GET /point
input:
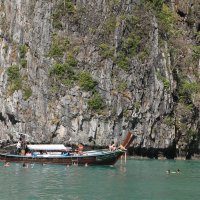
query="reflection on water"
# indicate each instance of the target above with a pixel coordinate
(122, 166)
(135, 179)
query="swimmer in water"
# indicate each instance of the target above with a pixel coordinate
(7, 164)
(173, 172)
(25, 165)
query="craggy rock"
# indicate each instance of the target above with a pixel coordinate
(140, 99)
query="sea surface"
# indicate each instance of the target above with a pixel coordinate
(135, 180)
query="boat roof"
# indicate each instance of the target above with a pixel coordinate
(48, 147)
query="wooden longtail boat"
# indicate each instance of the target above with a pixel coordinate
(59, 154)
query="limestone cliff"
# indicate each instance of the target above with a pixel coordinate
(94, 70)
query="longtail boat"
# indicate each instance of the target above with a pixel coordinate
(59, 154)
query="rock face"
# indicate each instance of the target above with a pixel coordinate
(74, 70)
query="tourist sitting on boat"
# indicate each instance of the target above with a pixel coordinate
(28, 154)
(80, 148)
(112, 147)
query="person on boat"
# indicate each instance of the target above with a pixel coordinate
(80, 148)
(6, 164)
(41, 152)
(178, 171)
(112, 147)
(168, 171)
(28, 154)
(23, 147)
(122, 147)
(19, 144)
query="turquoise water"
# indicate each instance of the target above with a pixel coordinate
(137, 180)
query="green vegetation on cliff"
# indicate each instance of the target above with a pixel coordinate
(63, 8)
(27, 92)
(196, 53)
(95, 102)
(63, 74)
(106, 51)
(14, 78)
(16, 82)
(86, 81)
(22, 54)
(58, 47)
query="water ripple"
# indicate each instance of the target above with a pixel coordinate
(137, 180)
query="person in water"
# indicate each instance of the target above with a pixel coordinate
(173, 172)
(7, 164)
(25, 165)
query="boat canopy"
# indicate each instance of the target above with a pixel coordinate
(48, 147)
